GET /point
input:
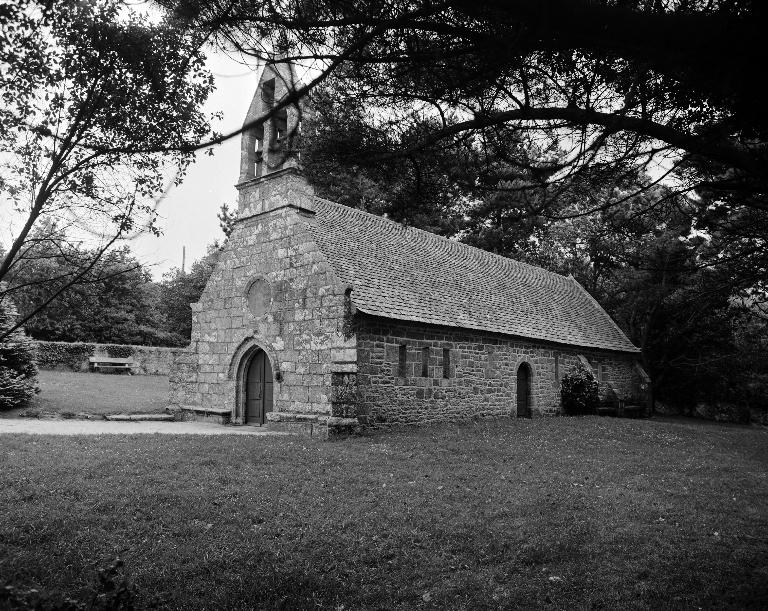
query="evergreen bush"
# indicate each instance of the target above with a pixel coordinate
(579, 392)
(18, 366)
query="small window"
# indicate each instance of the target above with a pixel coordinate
(425, 362)
(557, 367)
(601, 376)
(446, 363)
(401, 362)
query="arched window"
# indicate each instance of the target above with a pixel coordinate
(524, 375)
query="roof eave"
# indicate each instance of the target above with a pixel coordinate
(593, 346)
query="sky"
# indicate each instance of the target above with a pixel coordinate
(188, 212)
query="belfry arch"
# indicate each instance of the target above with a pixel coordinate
(271, 146)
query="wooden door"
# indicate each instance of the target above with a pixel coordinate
(523, 392)
(258, 389)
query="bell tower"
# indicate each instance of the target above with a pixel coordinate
(269, 151)
(271, 146)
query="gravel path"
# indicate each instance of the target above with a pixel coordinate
(104, 427)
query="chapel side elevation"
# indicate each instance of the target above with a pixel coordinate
(319, 318)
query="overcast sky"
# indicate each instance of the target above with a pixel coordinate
(188, 213)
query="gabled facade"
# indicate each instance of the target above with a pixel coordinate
(319, 317)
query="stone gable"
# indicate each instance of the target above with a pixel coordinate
(302, 327)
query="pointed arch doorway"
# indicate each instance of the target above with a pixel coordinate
(524, 391)
(258, 387)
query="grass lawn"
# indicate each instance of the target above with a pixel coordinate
(67, 392)
(551, 513)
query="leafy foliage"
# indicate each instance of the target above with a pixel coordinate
(597, 92)
(89, 91)
(179, 289)
(114, 592)
(350, 162)
(114, 302)
(18, 369)
(227, 217)
(579, 392)
(71, 355)
(647, 263)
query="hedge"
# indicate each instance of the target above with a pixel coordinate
(74, 356)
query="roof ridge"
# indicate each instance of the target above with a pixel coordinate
(429, 236)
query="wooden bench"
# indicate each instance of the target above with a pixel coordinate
(108, 363)
(607, 409)
(621, 408)
(633, 411)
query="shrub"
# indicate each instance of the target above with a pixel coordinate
(120, 352)
(72, 356)
(579, 392)
(114, 592)
(18, 366)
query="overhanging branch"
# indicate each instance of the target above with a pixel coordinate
(724, 151)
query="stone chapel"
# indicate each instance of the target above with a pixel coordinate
(320, 318)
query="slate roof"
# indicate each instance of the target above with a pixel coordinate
(408, 274)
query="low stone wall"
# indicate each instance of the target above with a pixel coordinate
(74, 356)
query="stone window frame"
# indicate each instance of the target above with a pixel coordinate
(248, 285)
(446, 363)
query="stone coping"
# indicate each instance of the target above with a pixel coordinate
(289, 417)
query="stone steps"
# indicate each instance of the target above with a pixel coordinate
(140, 417)
(44, 415)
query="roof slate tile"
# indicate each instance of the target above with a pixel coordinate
(408, 274)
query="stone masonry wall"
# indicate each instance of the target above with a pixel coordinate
(182, 379)
(483, 373)
(302, 328)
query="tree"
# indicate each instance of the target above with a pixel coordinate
(612, 87)
(227, 217)
(341, 157)
(115, 302)
(179, 289)
(649, 269)
(18, 369)
(693, 52)
(89, 91)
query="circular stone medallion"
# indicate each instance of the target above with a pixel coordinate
(259, 297)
